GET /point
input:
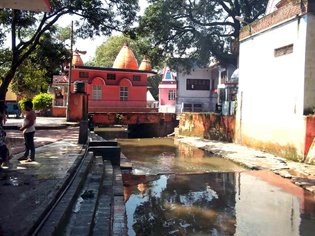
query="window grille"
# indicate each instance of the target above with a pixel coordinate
(198, 84)
(97, 92)
(83, 74)
(111, 76)
(123, 93)
(172, 95)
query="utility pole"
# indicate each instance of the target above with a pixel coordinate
(69, 75)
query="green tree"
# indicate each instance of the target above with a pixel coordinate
(199, 30)
(106, 53)
(27, 28)
(22, 102)
(34, 74)
(42, 101)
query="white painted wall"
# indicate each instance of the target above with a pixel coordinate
(271, 89)
(167, 108)
(309, 99)
(193, 96)
(255, 205)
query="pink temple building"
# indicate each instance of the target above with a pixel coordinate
(167, 92)
(122, 88)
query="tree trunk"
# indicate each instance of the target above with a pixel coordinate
(4, 88)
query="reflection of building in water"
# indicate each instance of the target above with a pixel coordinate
(225, 203)
(257, 204)
(204, 202)
(188, 151)
(135, 184)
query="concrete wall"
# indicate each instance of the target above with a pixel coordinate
(58, 111)
(76, 106)
(193, 96)
(206, 125)
(167, 108)
(309, 96)
(10, 95)
(271, 89)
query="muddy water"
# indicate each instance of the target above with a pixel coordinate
(164, 155)
(176, 189)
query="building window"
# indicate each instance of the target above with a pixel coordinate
(187, 107)
(172, 95)
(197, 107)
(97, 92)
(123, 93)
(283, 50)
(136, 78)
(111, 76)
(83, 74)
(198, 84)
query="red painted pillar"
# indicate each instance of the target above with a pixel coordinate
(76, 106)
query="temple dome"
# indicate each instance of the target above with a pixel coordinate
(125, 59)
(145, 64)
(76, 59)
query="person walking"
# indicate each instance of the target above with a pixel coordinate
(28, 129)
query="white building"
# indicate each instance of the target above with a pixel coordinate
(199, 90)
(193, 90)
(277, 80)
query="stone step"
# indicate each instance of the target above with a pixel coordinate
(103, 215)
(84, 211)
(56, 221)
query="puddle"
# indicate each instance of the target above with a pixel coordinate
(162, 156)
(217, 204)
(178, 190)
(11, 181)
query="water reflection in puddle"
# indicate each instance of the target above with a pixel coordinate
(162, 156)
(217, 204)
(227, 201)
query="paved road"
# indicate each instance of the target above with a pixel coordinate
(41, 122)
(48, 130)
(26, 188)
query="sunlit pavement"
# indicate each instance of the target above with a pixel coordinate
(300, 174)
(27, 187)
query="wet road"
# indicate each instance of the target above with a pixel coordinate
(27, 188)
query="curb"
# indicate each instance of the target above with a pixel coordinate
(42, 127)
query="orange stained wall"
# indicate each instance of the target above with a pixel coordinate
(309, 133)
